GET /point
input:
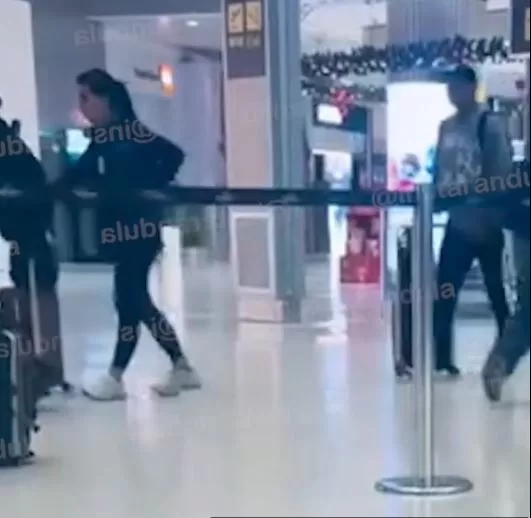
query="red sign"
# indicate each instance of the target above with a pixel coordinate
(361, 263)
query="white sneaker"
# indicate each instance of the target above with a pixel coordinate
(105, 388)
(181, 377)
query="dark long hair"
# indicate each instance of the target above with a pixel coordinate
(102, 84)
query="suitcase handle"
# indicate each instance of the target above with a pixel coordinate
(34, 307)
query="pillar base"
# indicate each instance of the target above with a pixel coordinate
(418, 486)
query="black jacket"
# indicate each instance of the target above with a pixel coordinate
(26, 223)
(20, 170)
(117, 161)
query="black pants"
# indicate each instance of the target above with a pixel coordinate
(513, 344)
(457, 255)
(135, 306)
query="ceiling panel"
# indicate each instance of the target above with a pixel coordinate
(339, 24)
(142, 7)
(194, 30)
(326, 24)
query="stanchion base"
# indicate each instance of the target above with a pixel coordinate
(417, 486)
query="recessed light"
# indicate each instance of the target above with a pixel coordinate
(192, 23)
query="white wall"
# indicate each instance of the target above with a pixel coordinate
(17, 69)
(123, 54)
(190, 117)
(199, 98)
(65, 45)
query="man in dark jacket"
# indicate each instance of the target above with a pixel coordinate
(473, 144)
(514, 342)
(25, 223)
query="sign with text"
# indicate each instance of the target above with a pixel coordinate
(520, 26)
(245, 38)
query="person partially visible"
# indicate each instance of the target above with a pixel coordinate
(25, 223)
(125, 156)
(473, 143)
(513, 344)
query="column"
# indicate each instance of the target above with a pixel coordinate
(264, 123)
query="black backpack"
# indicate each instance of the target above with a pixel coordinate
(514, 216)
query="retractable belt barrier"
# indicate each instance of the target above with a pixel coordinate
(177, 195)
(425, 200)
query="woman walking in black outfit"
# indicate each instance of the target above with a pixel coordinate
(124, 155)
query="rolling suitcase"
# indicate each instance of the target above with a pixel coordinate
(17, 401)
(35, 279)
(41, 321)
(401, 309)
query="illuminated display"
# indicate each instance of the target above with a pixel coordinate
(329, 114)
(414, 113)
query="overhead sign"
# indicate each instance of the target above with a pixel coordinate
(245, 39)
(520, 27)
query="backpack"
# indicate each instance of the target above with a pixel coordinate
(512, 216)
(482, 127)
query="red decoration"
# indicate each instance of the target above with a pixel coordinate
(343, 100)
(361, 264)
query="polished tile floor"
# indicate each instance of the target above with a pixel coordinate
(292, 421)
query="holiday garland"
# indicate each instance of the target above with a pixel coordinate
(402, 58)
(322, 71)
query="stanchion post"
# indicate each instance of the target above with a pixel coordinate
(424, 482)
(422, 298)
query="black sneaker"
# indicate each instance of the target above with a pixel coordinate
(493, 376)
(403, 372)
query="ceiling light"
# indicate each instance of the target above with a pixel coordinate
(192, 23)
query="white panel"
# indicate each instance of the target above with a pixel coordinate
(252, 251)
(498, 5)
(17, 65)
(248, 159)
